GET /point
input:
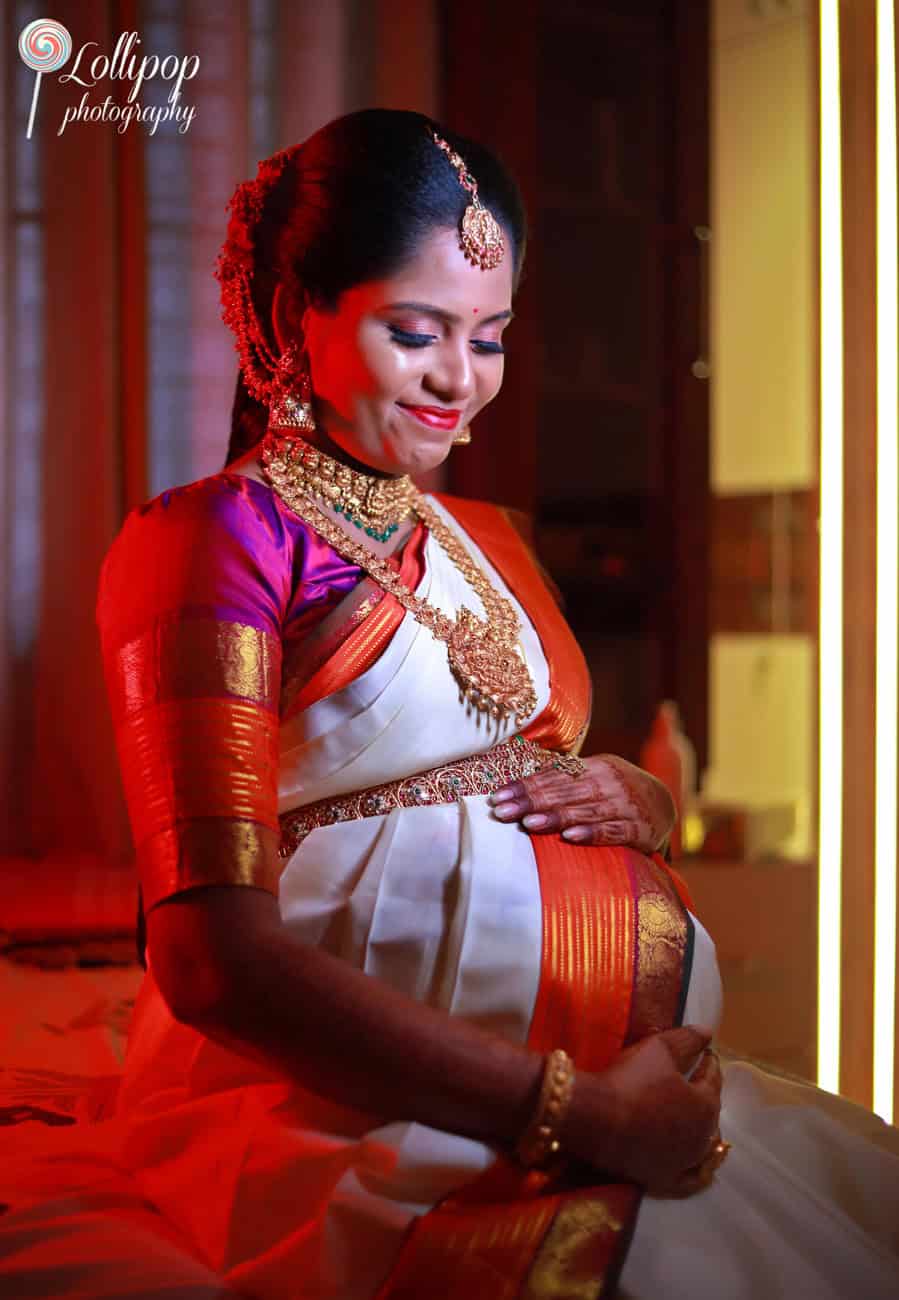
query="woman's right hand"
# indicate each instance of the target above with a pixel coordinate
(641, 1119)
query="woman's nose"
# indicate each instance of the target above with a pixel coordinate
(451, 376)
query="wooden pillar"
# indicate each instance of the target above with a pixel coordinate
(490, 76)
(857, 74)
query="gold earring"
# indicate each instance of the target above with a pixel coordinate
(292, 408)
(463, 437)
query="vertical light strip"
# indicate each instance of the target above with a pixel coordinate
(830, 631)
(886, 693)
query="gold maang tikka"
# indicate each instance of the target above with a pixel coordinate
(480, 236)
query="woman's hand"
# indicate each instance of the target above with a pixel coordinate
(614, 802)
(642, 1120)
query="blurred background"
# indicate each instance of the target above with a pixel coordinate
(659, 424)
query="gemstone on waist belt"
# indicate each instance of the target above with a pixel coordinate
(477, 774)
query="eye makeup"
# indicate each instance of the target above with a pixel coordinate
(407, 339)
(410, 339)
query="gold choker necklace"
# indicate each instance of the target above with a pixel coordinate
(376, 505)
(484, 655)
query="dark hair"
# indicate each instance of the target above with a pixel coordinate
(352, 204)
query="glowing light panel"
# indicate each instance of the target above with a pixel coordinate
(830, 630)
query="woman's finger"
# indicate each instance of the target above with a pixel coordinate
(708, 1077)
(586, 816)
(561, 819)
(542, 793)
(635, 835)
(510, 793)
(582, 823)
(687, 1044)
(622, 792)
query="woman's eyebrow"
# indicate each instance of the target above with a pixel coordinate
(429, 310)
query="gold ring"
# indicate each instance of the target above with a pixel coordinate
(718, 1153)
(713, 1160)
(703, 1175)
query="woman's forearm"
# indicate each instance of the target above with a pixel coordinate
(225, 964)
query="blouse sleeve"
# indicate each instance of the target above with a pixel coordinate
(190, 606)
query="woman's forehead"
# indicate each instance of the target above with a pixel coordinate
(440, 276)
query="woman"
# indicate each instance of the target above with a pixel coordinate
(340, 706)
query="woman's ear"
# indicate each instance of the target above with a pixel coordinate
(287, 318)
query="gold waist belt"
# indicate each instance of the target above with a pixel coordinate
(479, 774)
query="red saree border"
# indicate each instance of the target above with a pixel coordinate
(188, 758)
(564, 720)
(587, 963)
(367, 640)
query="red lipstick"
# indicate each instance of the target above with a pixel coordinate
(435, 417)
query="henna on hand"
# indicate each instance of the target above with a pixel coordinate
(613, 802)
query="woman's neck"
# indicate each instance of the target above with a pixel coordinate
(321, 439)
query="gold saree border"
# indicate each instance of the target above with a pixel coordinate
(662, 937)
(213, 851)
(516, 1236)
(481, 1251)
(582, 1254)
(180, 658)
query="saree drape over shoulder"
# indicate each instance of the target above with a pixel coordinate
(227, 725)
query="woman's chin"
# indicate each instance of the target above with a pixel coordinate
(422, 455)
(425, 463)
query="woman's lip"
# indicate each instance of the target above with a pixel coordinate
(433, 417)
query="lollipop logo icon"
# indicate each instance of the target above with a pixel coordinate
(44, 46)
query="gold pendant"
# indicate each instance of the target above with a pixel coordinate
(491, 673)
(481, 238)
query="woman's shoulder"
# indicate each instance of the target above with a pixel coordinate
(226, 498)
(221, 540)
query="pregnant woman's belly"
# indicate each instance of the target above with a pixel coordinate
(444, 903)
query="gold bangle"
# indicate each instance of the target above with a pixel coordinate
(539, 1142)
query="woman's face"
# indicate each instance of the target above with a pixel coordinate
(429, 336)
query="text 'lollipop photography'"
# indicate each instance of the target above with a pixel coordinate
(46, 46)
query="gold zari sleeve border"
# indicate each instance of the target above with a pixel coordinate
(215, 851)
(182, 658)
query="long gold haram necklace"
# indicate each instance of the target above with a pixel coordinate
(484, 656)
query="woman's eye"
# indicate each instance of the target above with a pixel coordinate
(408, 340)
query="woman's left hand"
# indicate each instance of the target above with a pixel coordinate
(613, 802)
